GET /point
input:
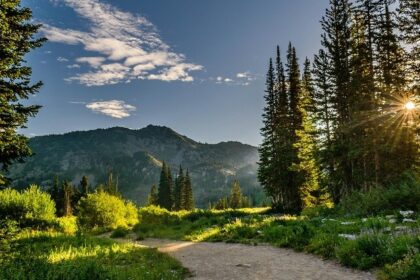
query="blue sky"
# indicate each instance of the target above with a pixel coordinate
(195, 66)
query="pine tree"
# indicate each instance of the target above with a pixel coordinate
(16, 40)
(84, 185)
(179, 197)
(409, 27)
(68, 192)
(153, 196)
(311, 192)
(235, 199)
(283, 150)
(292, 203)
(112, 186)
(336, 41)
(266, 168)
(324, 95)
(165, 199)
(188, 200)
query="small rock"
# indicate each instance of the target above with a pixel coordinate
(348, 236)
(390, 216)
(392, 221)
(406, 220)
(243, 265)
(347, 223)
(406, 213)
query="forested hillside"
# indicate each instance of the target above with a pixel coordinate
(135, 158)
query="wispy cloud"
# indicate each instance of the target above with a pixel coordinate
(62, 59)
(127, 46)
(71, 66)
(241, 79)
(246, 76)
(113, 108)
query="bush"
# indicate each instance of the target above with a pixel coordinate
(405, 269)
(67, 225)
(404, 196)
(101, 210)
(119, 232)
(29, 207)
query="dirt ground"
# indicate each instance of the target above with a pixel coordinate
(222, 261)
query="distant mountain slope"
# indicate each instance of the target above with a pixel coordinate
(135, 157)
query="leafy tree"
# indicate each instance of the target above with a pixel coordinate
(106, 211)
(16, 40)
(153, 196)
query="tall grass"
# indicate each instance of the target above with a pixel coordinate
(50, 256)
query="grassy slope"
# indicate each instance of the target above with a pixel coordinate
(41, 255)
(380, 241)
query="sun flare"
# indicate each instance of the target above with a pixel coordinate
(410, 105)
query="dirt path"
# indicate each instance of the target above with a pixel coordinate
(222, 261)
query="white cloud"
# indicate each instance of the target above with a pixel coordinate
(71, 66)
(113, 108)
(246, 75)
(127, 47)
(93, 61)
(62, 59)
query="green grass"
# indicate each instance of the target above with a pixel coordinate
(379, 241)
(41, 255)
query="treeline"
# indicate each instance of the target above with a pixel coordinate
(66, 195)
(349, 122)
(235, 200)
(173, 194)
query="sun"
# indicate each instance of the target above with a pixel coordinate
(410, 105)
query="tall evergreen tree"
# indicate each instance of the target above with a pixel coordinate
(188, 199)
(336, 40)
(179, 190)
(153, 196)
(165, 199)
(310, 190)
(16, 40)
(84, 185)
(235, 198)
(68, 192)
(266, 168)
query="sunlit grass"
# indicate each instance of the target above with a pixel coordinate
(44, 255)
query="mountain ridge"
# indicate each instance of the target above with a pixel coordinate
(135, 157)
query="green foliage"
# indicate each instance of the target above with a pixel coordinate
(31, 206)
(67, 224)
(120, 232)
(405, 196)
(54, 256)
(236, 199)
(407, 268)
(165, 193)
(16, 40)
(104, 211)
(153, 196)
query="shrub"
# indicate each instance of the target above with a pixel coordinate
(155, 215)
(29, 207)
(404, 195)
(101, 210)
(67, 225)
(119, 232)
(405, 269)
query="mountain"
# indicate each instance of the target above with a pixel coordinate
(135, 158)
